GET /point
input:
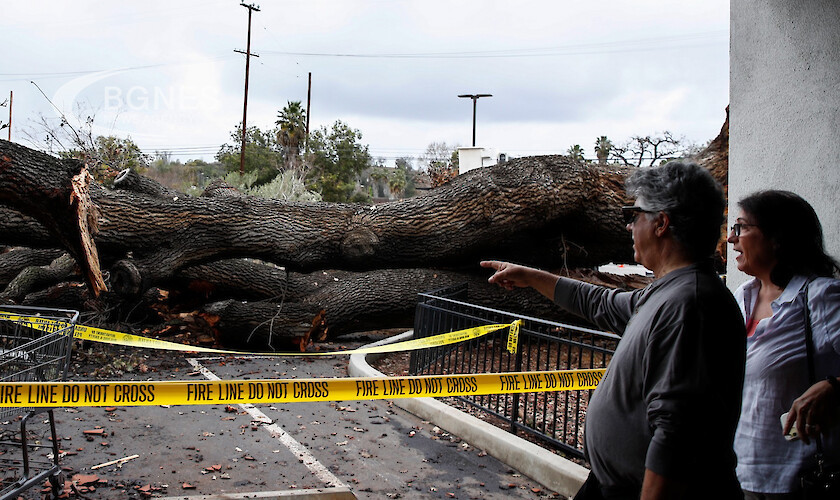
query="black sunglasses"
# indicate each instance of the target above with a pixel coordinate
(736, 228)
(631, 212)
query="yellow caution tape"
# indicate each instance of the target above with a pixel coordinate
(83, 332)
(56, 394)
(513, 336)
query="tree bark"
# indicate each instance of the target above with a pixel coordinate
(129, 180)
(326, 304)
(17, 259)
(18, 229)
(55, 192)
(34, 278)
(534, 210)
(249, 279)
(384, 298)
(218, 187)
(546, 211)
(68, 295)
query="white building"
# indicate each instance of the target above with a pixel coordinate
(471, 158)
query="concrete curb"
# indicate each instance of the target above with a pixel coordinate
(550, 470)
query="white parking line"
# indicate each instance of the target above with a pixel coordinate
(277, 432)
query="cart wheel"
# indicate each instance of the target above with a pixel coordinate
(57, 484)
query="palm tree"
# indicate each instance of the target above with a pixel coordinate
(602, 149)
(576, 152)
(292, 123)
(397, 182)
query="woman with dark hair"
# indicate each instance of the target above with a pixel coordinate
(779, 241)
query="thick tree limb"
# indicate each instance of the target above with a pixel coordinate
(218, 187)
(382, 298)
(536, 210)
(249, 279)
(18, 229)
(35, 278)
(17, 259)
(544, 211)
(129, 180)
(333, 304)
(55, 192)
(533, 209)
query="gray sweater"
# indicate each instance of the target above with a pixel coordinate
(671, 396)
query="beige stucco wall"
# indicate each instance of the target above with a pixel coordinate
(785, 106)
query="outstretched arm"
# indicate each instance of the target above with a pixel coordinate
(510, 276)
(607, 308)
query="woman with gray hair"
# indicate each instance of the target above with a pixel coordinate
(662, 421)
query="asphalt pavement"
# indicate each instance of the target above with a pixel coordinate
(374, 449)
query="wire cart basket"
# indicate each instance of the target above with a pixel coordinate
(29, 353)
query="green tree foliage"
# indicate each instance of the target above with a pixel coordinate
(397, 182)
(337, 157)
(263, 154)
(576, 153)
(395, 178)
(404, 164)
(288, 186)
(291, 133)
(108, 155)
(190, 177)
(603, 146)
(379, 174)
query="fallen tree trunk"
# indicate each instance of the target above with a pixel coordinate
(384, 298)
(249, 279)
(544, 211)
(549, 209)
(333, 304)
(535, 210)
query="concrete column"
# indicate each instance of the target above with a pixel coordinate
(785, 107)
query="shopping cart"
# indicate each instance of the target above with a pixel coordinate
(31, 352)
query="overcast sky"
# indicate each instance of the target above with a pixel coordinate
(561, 73)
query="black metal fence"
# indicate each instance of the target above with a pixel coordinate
(555, 418)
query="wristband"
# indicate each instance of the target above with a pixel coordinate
(831, 379)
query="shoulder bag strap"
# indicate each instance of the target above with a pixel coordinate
(809, 351)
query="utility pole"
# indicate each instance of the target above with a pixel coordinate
(308, 107)
(11, 98)
(475, 98)
(251, 8)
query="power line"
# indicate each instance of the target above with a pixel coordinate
(66, 74)
(630, 45)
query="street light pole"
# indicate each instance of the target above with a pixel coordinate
(474, 98)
